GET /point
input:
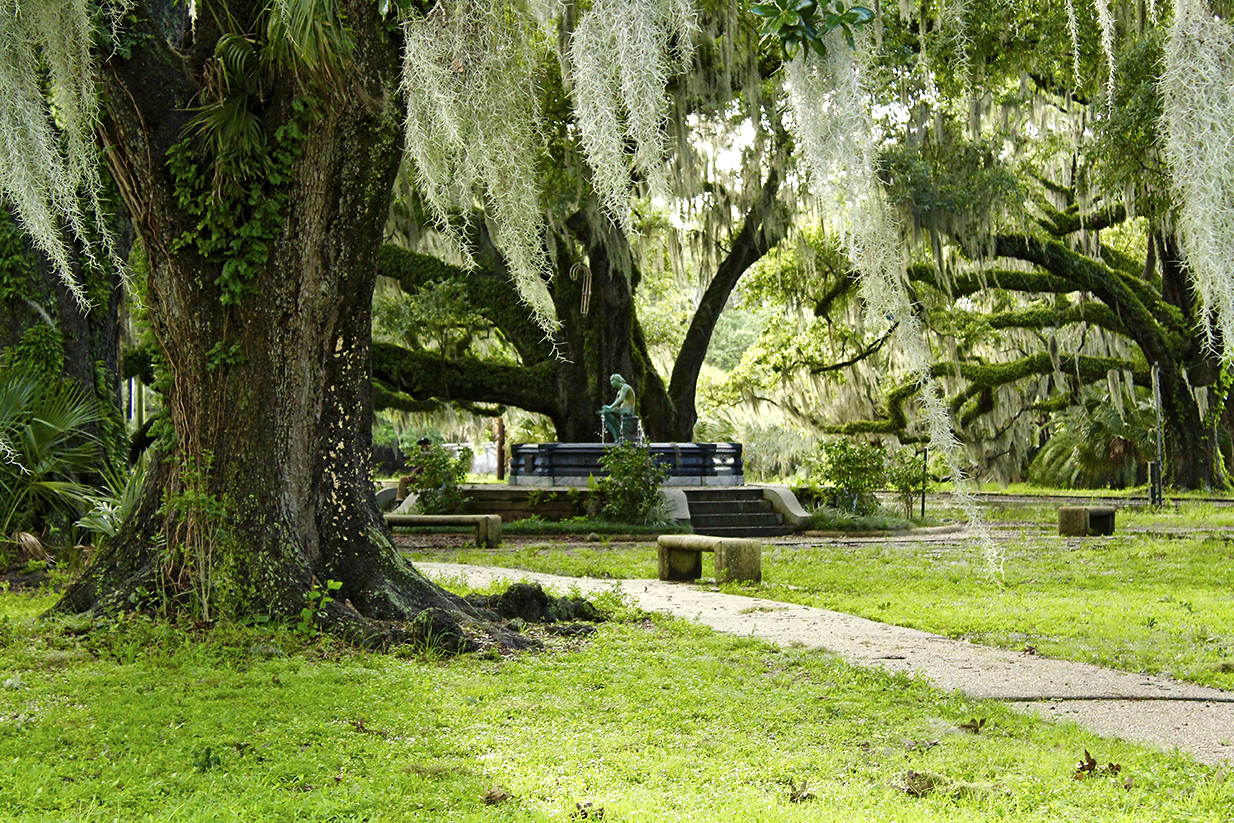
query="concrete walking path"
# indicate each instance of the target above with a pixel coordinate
(1152, 710)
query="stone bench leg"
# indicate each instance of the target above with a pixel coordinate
(679, 564)
(488, 531)
(739, 561)
(1082, 521)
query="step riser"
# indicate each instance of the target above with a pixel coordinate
(730, 512)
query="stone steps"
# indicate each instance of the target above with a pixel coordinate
(734, 511)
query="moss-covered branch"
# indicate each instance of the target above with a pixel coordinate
(491, 293)
(426, 376)
(982, 379)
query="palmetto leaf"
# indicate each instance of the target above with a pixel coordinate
(44, 425)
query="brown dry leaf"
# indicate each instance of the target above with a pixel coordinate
(975, 726)
(586, 811)
(495, 794)
(1085, 767)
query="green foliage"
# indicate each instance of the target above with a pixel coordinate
(108, 511)
(1098, 443)
(852, 471)
(1127, 154)
(238, 203)
(436, 479)
(43, 423)
(39, 352)
(905, 472)
(16, 261)
(803, 24)
(314, 611)
(439, 317)
(952, 184)
(878, 519)
(631, 490)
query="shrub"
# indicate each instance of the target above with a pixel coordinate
(853, 471)
(631, 491)
(44, 424)
(436, 479)
(905, 473)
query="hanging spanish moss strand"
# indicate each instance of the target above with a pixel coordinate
(621, 56)
(49, 170)
(470, 56)
(954, 27)
(1198, 108)
(1105, 19)
(835, 130)
(1073, 28)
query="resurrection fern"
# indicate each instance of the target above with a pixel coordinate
(49, 169)
(1197, 91)
(621, 56)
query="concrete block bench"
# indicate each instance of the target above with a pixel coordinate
(1082, 521)
(681, 557)
(488, 526)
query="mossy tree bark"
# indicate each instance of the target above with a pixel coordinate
(1147, 302)
(261, 490)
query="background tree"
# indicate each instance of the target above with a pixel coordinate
(1016, 185)
(736, 212)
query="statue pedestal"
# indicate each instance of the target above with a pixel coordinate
(571, 464)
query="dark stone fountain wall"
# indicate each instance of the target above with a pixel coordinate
(570, 464)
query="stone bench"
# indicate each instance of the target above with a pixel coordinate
(488, 526)
(1083, 521)
(681, 557)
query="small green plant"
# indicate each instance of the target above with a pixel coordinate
(905, 472)
(631, 491)
(315, 607)
(194, 526)
(436, 478)
(852, 471)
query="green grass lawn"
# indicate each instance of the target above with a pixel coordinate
(1157, 597)
(650, 719)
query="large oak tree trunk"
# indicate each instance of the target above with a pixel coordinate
(264, 490)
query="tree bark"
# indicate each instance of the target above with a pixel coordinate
(264, 490)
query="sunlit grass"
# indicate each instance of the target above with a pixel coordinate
(651, 720)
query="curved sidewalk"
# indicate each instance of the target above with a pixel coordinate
(1155, 711)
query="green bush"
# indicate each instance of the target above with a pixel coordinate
(43, 423)
(631, 491)
(436, 479)
(905, 473)
(852, 472)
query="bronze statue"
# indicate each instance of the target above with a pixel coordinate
(616, 414)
